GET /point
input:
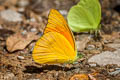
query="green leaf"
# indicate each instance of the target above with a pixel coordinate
(85, 16)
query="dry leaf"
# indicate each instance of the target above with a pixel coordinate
(2, 8)
(82, 44)
(91, 77)
(79, 77)
(19, 41)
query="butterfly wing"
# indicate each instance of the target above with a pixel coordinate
(53, 48)
(57, 44)
(57, 23)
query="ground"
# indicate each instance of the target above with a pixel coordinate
(26, 24)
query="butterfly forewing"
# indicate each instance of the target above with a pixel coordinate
(57, 23)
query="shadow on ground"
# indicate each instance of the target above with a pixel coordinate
(34, 69)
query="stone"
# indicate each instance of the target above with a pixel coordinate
(23, 3)
(114, 73)
(32, 20)
(63, 12)
(11, 15)
(20, 57)
(106, 57)
(33, 29)
(90, 47)
(9, 76)
(92, 64)
(21, 9)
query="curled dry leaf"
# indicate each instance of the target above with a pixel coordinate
(19, 41)
(79, 77)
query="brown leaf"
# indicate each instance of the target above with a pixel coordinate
(19, 41)
(79, 77)
(2, 8)
(82, 44)
(91, 77)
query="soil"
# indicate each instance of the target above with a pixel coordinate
(19, 65)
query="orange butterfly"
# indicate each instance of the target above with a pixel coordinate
(57, 45)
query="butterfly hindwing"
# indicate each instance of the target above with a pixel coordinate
(52, 48)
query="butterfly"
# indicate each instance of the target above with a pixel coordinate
(57, 44)
(85, 16)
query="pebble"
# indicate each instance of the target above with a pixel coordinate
(105, 41)
(39, 18)
(20, 57)
(9, 76)
(32, 20)
(93, 64)
(11, 15)
(115, 72)
(117, 68)
(111, 70)
(90, 47)
(23, 3)
(21, 9)
(63, 12)
(24, 32)
(33, 29)
(76, 70)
